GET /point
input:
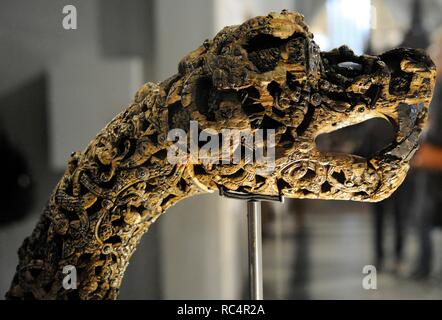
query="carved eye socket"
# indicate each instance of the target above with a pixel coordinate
(404, 64)
(400, 80)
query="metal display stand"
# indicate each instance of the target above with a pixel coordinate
(255, 248)
(254, 230)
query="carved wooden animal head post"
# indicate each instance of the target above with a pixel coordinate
(267, 73)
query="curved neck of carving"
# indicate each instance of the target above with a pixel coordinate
(108, 197)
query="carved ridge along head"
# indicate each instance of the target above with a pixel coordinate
(268, 73)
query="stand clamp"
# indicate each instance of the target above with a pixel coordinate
(254, 236)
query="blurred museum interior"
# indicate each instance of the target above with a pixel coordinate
(59, 87)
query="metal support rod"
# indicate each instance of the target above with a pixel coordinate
(255, 249)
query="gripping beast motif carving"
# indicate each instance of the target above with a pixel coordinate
(267, 73)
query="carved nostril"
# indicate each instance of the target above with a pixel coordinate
(403, 65)
(400, 80)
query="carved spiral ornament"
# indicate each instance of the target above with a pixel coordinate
(266, 73)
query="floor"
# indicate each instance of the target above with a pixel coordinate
(325, 258)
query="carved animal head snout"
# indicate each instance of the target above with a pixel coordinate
(396, 86)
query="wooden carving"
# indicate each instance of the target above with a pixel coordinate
(267, 73)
